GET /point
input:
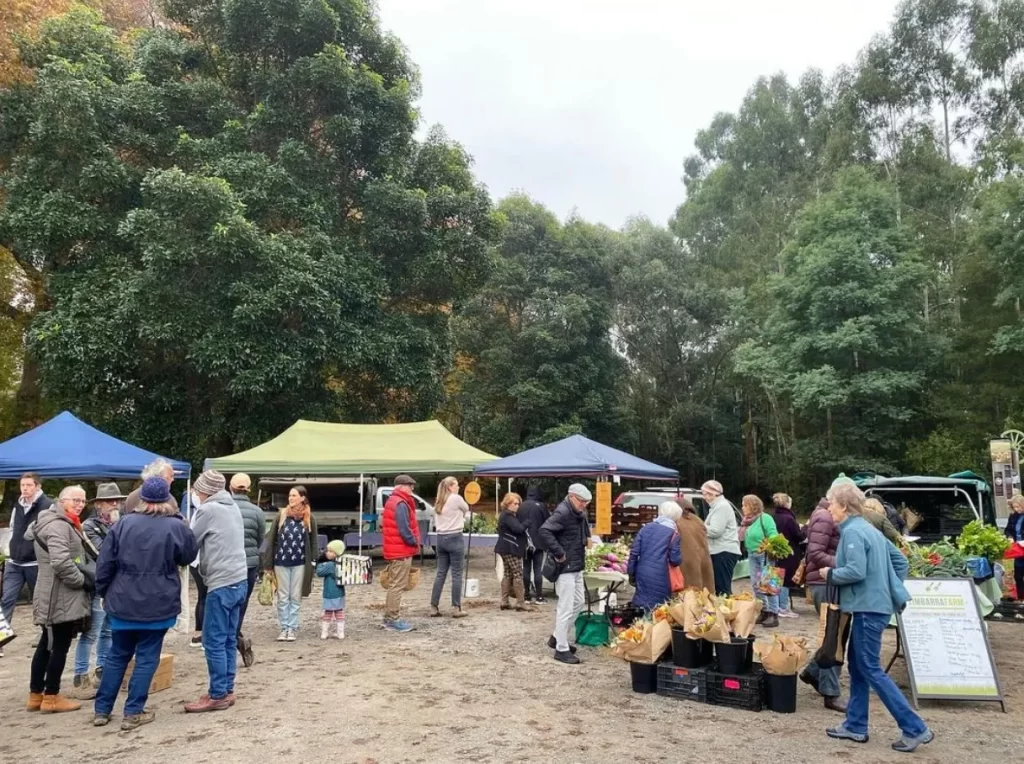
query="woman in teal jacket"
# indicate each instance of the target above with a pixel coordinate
(757, 526)
(869, 573)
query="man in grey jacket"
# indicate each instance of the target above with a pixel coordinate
(255, 526)
(220, 534)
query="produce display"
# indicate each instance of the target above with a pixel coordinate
(776, 547)
(940, 560)
(607, 558)
(979, 540)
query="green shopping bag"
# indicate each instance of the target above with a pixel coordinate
(591, 630)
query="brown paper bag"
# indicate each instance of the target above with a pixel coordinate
(686, 609)
(657, 639)
(783, 656)
(711, 626)
(745, 621)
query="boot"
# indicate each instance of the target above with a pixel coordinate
(504, 594)
(339, 628)
(761, 617)
(34, 702)
(835, 704)
(58, 704)
(435, 612)
(521, 598)
(325, 629)
(771, 622)
(84, 689)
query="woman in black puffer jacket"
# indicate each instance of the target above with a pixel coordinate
(511, 547)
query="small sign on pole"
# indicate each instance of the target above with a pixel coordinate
(603, 509)
(472, 492)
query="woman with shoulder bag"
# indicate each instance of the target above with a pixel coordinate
(61, 603)
(656, 549)
(758, 526)
(511, 547)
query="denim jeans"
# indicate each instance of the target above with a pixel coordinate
(99, 635)
(451, 553)
(570, 591)
(289, 595)
(784, 601)
(757, 566)
(145, 646)
(220, 636)
(15, 577)
(863, 657)
(250, 583)
(828, 679)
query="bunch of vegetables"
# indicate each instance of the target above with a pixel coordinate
(979, 540)
(940, 560)
(776, 547)
(607, 558)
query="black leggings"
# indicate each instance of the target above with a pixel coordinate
(48, 661)
(1018, 578)
(200, 598)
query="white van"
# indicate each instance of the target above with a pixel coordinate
(335, 502)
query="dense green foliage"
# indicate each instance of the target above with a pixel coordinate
(225, 223)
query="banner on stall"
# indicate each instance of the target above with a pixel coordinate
(945, 642)
(603, 509)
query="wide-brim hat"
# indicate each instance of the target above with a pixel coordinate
(108, 492)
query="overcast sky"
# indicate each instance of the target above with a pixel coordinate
(594, 104)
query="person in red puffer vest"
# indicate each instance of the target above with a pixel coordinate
(401, 543)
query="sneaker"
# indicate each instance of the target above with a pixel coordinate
(788, 614)
(245, 648)
(283, 636)
(290, 636)
(841, 733)
(553, 644)
(206, 703)
(567, 657)
(83, 688)
(132, 722)
(100, 720)
(399, 626)
(196, 642)
(909, 744)
(540, 601)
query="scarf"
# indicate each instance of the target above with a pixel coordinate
(300, 513)
(76, 521)
(747, 522)
(668, 522)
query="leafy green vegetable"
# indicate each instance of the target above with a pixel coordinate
(979, 540)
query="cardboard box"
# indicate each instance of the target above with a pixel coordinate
(162, 679)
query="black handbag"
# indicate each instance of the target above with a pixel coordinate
(834, 631)
(552, 569)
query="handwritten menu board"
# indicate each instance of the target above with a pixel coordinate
(945, 642)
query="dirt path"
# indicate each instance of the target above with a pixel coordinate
(483, 689)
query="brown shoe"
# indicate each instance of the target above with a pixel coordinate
(526, 608)
(58, 704)
(35, 701)
(84, 688)
(458, 612)
(130, 723)
(230, 696)
(206, 703)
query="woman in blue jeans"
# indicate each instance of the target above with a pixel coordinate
(869, 573)
(449, 520)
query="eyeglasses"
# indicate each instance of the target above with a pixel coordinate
(74, 501)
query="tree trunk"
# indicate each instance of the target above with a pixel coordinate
(828, 429)
(945, 124)
(28, 402)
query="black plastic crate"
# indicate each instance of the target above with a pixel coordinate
(686, 683)
(744, 691)
(622, 616)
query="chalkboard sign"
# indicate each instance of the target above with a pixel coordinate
(945, 642)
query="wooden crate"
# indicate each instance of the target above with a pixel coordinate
(162, 679)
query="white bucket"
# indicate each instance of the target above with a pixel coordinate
(472, 587)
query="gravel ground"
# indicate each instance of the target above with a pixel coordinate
(482, 689)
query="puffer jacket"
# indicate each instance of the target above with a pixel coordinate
(60, 596)
(533, 514)
(565, 534)
(786, 524)
(822, 541)
(655, 547)
(255, 525)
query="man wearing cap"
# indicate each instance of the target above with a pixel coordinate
(564, 536)
(401, 536)
(255, 526)
(96, 527)
(220, 534)
(723, 535)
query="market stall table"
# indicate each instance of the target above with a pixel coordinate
(611, 582)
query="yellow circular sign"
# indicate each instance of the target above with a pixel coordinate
(472, 492)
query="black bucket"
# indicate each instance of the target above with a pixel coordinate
(689, 653)
(748, 662)
(780, 693)
(732, 656)
(644, 676)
